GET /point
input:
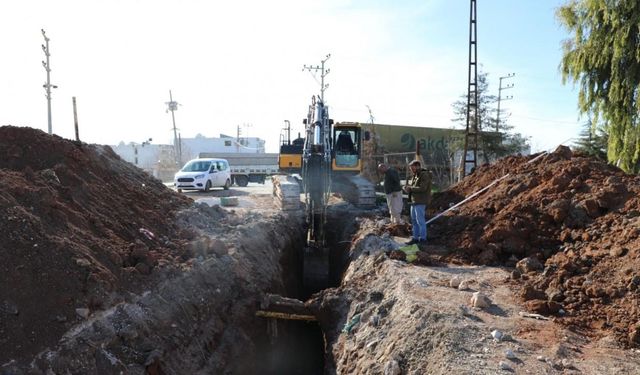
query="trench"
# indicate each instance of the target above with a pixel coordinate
(298, 347)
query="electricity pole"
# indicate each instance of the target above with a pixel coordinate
(473, 115)
(500, 98)
(323, 73)
(173, 106)
(47, 86)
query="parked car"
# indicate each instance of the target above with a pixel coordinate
(203, 174)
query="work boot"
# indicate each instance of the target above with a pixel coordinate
(412, 241)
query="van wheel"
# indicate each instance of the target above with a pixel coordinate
(227, 184)
(207, 186)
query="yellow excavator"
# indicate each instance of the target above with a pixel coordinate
(327, 160)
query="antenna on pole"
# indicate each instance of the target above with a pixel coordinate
(323, 73)
(500, 98)
(47, 86)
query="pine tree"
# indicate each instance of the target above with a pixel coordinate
(592, 141)
(603, 56)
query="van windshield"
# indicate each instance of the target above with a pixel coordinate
(196, 166)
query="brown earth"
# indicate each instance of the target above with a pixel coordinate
(578, 216)
(79, 228)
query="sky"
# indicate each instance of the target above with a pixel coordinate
(238, 65)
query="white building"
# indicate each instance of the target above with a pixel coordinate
(192, 147)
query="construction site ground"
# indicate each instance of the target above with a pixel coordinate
(106, 270)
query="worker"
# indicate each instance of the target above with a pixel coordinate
(419, 189)
(393, 192)
(344, 143)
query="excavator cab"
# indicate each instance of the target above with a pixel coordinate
(347, 148)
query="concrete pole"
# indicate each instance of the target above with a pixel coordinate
(75, 118)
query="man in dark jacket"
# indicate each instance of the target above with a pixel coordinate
(419, 190)
(393, 191)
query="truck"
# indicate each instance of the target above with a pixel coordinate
(247, 167)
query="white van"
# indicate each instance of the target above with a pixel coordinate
(203, 174)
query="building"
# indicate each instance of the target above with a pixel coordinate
(192, 147)
(161, 162)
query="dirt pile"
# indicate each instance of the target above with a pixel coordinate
(393, 317)
(79, 227)
(578, 216)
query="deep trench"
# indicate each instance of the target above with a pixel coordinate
(299, 347)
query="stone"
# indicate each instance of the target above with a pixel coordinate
(617, 251)
(455, 281)
(537, 306)
(464, 285)
(529, 264)
(479, 300)
(530, 293)
(392, 368)
(83, 312)
(509, 354)
(504, 366)
(497, 335)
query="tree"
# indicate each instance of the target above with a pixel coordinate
(495, 140)
(604, 58)
(592, 141)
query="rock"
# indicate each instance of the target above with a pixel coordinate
(529, 264)
(464, 285)
(617, 251)
(497, 335)
(83, 312)
(480, 300)
(553, 307)
(509, 354)
(455, 281)
(529, 293)
(537, 306)
(504, 366)
(392, 368)
(515, 274)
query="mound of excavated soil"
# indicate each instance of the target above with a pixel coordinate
(78, 226)
(577, 215)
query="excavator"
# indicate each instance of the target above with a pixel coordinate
(327, 160)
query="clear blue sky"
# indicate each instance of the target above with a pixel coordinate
(240, 63)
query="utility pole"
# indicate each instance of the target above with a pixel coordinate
(173, 106)
(75, 119)
(47, 86)
(371, 118)
(471, 132)
(500, 98)
(323, 73)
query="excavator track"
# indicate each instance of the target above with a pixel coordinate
(356, 190)
(286, 190)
